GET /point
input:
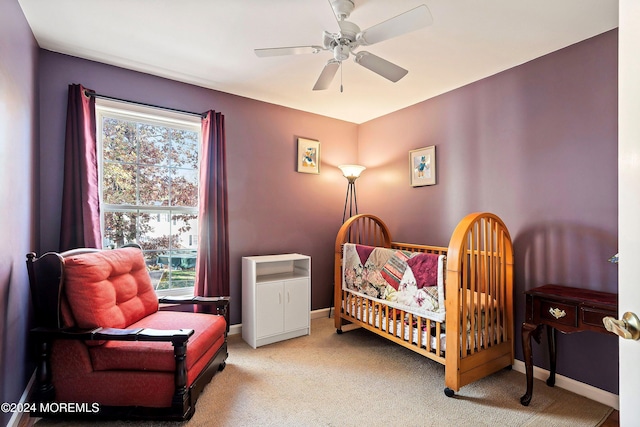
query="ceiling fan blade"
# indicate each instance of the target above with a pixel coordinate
(292, 50)
(327, 74)
(386, 69)
(404, 23)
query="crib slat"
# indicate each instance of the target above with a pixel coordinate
(367, 312)
(487, 291)
(495, 284)
(495, 295)
(476, 265)
(394, 316)
(482, 253)
(495, 332)
(485, 338)
(500, 284)
(503, 287)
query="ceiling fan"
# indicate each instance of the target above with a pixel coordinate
(345, 42)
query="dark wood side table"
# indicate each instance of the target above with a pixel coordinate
(564, 309)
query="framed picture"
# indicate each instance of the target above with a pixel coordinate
(422, 163)
(308, 156)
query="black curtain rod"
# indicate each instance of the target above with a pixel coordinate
(112, 98)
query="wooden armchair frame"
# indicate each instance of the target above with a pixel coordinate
(47, 282)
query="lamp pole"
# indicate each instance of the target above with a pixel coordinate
(351, 199)
(351, 172)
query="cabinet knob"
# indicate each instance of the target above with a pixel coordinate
(628, 327)
(557, 313)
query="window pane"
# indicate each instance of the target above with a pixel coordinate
(157, 271)
(119, 184)
(173, 269)
(118, 142)
(154, 144)
(184, 227)
(184, 187)
(154, 186)
(184, 149)
(183, 268)
(119, 229)
(154, 230)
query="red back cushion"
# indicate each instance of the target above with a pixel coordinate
(111, 288)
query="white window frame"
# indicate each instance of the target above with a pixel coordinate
(150, 115)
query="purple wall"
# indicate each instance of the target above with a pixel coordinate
(272, 208)
(537, 145)
(18, 130)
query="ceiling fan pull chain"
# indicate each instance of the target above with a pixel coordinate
(340, 76)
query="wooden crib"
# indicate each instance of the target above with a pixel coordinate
(476, 338)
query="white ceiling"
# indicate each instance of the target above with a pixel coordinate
(210, 43)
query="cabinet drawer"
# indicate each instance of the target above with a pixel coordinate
(593, 316)
(566, 314)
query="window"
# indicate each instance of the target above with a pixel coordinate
(148, 163)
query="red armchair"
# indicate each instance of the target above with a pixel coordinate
(103, 340)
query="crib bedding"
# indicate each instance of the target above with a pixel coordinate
(409, 281)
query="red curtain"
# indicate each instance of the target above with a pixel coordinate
(212, 265)
(80, 223)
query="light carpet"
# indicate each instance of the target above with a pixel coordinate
(358, 378)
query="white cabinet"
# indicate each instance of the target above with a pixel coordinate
(276, 298)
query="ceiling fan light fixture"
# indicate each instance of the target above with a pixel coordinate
(341, 52)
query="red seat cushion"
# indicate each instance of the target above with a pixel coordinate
(208, 329)
(111, 288)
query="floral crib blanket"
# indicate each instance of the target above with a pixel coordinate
(410, 281)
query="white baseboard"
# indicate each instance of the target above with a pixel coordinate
(323, 312)
(586, 390)
(315, 314)
(16, 417)
(235, 329)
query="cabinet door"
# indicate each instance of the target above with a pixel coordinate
(296, 304)
(269, 309)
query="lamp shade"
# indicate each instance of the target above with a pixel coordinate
(351, 172)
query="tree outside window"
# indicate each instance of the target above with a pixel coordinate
(149, 178)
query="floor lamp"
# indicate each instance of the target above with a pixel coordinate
(351, 172)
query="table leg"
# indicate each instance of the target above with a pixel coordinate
(552, 340)
(529, 330)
